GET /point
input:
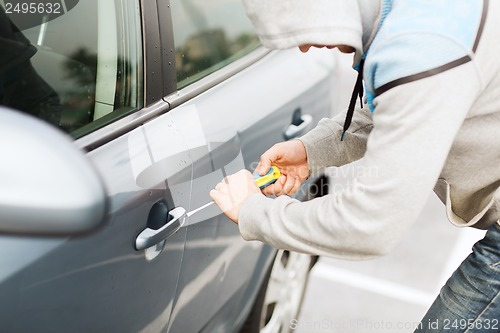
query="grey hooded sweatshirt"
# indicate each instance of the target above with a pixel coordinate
(432, 82)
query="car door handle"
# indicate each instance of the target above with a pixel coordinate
(296, 130)
(150, 237)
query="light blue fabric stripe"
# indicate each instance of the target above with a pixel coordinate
(418, 35)
(386, 9)
(369, 93)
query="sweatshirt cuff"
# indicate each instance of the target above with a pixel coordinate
(322, 149)
(250, 227)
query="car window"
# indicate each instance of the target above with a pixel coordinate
(209, 35)
(79, 67)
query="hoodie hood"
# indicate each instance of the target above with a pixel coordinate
(282, 24)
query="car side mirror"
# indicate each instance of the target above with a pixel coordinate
(47, 185)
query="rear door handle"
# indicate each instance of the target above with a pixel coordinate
(298, 128)
(150, 237)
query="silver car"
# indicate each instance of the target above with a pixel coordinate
(117, 119)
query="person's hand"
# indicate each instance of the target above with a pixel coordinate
(232, 191)
(291, 158)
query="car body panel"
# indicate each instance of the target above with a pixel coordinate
(204, 278)
(237, 131)
(100, 283)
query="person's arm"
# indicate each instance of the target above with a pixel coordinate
(320, 148)
(414, 128)
(324, 147)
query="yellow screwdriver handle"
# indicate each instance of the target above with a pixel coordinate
(270, 177)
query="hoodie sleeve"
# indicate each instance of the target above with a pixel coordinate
(414, 127)
(324, 147)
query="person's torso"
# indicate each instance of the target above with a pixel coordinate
(470, 30)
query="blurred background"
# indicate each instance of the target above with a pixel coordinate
(391, 293)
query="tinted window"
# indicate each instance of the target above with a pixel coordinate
(209, 35)
(78, 70)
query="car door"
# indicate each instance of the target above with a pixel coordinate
(245, 99)
(105, 89)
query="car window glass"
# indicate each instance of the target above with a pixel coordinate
(77, 67)
(209, 35)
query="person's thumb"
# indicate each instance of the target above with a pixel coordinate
(266, 161)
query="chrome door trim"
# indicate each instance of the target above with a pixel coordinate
(121, 126)
(213, 79)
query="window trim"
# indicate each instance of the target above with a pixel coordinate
(153, 79)
(172, 94)
(173, 97)
(124, 125)
(196, 88)
(152, 84)
(168, 47)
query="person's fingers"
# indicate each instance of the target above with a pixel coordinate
(267, 159)
(219, 186)
(264, 165)
(215, 196)
(288, 186)
(245, 173)
(296, 186)
(233, 191)
(222, 197)
(275, 188)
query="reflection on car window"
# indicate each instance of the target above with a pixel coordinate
(209, 35)
(78, 70)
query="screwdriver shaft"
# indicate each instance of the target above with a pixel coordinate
(198, 209)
